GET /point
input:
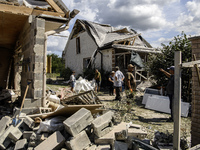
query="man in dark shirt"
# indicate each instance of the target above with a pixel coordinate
(130, 79)
(170, 88)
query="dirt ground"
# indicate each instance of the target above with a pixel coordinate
(136, 113)
(151, 120)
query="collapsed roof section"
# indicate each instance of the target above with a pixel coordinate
(106, 36)
(14, 14)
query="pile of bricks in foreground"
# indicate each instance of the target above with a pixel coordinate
(81, 131)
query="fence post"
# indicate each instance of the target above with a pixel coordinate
(177, 100)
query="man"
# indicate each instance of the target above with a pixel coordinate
(170, 88)
(130, 81)
(118, 79)
(98, 80)
(72, 80)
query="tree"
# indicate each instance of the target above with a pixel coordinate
(166, 59)
(57, 64)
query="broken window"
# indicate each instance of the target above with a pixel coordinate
(86, 62)
(78, 48)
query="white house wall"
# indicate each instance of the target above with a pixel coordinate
(107, 60)
(75, 61)
(87, 45)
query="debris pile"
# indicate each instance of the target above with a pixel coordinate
(81, 130)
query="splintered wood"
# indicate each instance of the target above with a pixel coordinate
(84, 98)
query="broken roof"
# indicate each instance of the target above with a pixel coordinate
(106, 36)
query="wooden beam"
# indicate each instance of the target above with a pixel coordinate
(191, 64)
(51, 13)
(54, 5)
(197, 69)
(21, 10)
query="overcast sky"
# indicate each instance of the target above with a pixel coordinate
(158, 21)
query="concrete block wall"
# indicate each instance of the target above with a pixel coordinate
(195, 126)
(32, 41)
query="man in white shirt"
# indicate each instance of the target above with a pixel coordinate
(72, 81)
(118, 79)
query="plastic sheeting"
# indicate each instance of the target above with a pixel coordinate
(136, 59)
(84, 85)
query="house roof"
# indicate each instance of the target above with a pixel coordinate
(105, 35)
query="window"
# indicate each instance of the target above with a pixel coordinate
(78, 48)
(86, 62)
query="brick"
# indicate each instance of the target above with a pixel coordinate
(80, 141)
(55, 141)
(4, 123)
(120, 145)
(103, 147)
(78, 121)
(15, 134)
(21, 144)
(103, 124)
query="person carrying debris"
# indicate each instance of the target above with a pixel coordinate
(130, 84)
(111, 83)
(119, 77)
(72, 81)
(170, 88)
(97, 78)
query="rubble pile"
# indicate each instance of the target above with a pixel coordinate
(82, 130)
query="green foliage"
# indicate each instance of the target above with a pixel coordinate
(57, 63)
(166, 59)
(66, 73)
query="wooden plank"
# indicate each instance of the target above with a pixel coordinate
(21, 10)
(51, 13)
(191, 64)
(197, 69)
(54, 5)
(71, 109)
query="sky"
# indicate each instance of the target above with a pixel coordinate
(158, 21)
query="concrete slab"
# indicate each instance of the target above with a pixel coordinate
(103, 147)
(161, 104)
(149, 92)
(15, 134)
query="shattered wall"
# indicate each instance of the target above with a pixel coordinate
(32, 42)
(195, 126)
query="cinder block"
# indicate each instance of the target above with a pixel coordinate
(15, 134)
(55, 141)
(78, 121)
(29, 122)
(121, 135)
(138, 133)
(120, 145)
(21, 144)
(4, 122)
(78, 142)
(92, 147)
(4, 141)
(103, 124)
(103, 147)
(27, 134)
(109, 138)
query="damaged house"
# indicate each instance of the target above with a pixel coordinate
(25, 26)
(104, 47)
